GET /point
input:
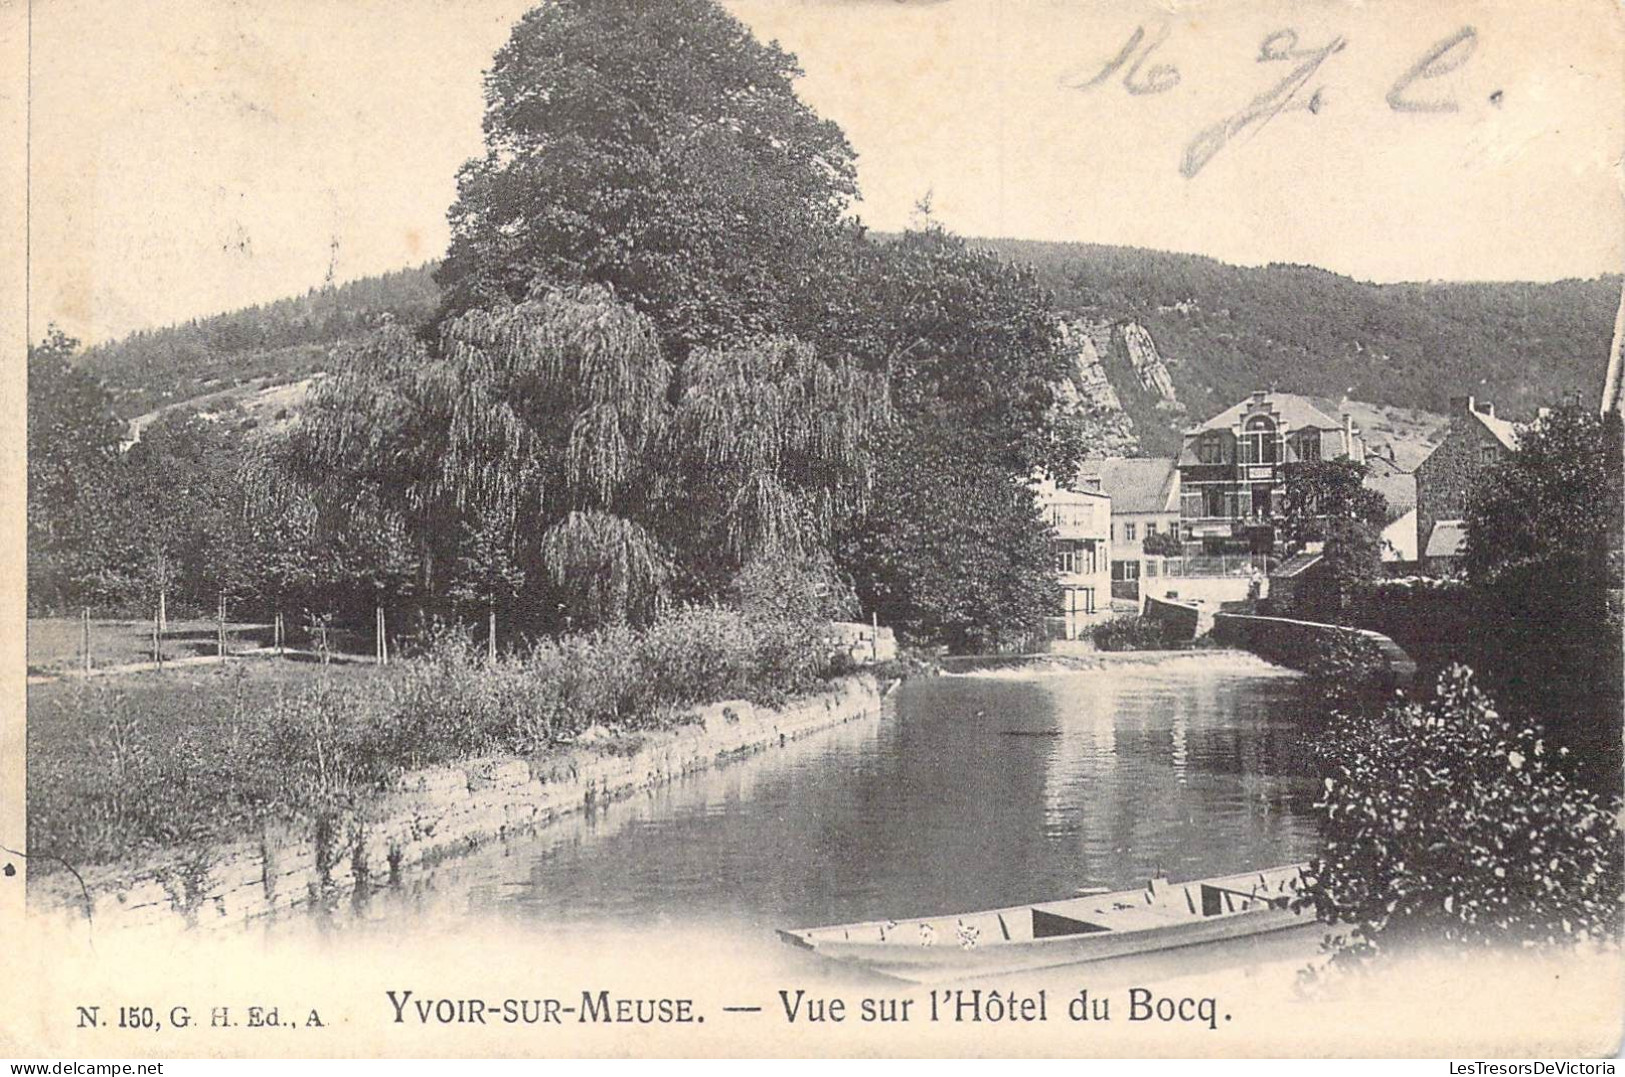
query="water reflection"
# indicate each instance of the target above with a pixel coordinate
(972, 791)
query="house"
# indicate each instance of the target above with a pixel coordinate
(1144, 493)
(1475, 440)
(1232, 467)
(1082, 523)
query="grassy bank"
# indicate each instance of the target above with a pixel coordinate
(123, 766)
(56, 644)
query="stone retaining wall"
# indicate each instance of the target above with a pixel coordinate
(1291, 643)
(1181, 620)
(425, 816)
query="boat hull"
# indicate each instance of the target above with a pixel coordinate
(1074, 931)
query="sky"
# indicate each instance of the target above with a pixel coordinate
(189, 158)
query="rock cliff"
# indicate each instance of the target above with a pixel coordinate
(1089, 394)
(1140, 350)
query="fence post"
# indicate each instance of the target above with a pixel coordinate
(220, 629)
(276, 633)
(874, 637)
(87, 639)
(491, 634)
(157, 643)
(381, 650)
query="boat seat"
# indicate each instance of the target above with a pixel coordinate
(1049, 925)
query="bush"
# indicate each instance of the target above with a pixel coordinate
(1131, 634)
(1444, 823)
(154, 764)
(1348, 670)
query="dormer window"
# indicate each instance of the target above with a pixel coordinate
(1210, 450)
(1260, 443)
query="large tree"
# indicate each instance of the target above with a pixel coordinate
(656, 147)
(1543, 559)
(952, 547)
(769, 448)
(955, 550)
(179, 510)
(73, 441)
(534, 452)
(660, 149)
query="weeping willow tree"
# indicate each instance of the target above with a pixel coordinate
(513, 452)
(554, 406)
(535, 453)
(366, 456)
(772, 445)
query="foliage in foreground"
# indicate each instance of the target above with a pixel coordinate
(154, 764)
(1546, 571)
(1444, 823)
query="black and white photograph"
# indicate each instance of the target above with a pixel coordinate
(814, 528)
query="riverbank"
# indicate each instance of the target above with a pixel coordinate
(425, 815)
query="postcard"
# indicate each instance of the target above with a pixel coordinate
(834, 528)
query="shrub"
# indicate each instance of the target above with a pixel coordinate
(1162, 544)
(1443, 822)
(1347, 669)
(159, 764)
(1130, 634)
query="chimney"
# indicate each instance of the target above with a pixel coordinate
(1461, 403)
(1487, 408)
(1258, 396)
(1543, 413)
(1348, 435)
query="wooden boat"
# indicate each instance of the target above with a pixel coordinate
(1159, 916)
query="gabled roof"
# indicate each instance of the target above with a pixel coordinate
(1506, 433)
(1135, 484)
(1449, 539)
(1297, 412)
(1398, 488)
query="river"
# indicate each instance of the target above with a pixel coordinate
(970, 791)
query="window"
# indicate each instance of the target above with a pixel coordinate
(1128, 531)
(1260, 444)
(1487, 454)
(1173, 530)
(1150, 528)
(1309, 446)
(1075, 600)
(1210, 450)
(1212, 502)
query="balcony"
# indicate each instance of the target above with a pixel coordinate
(1215, 564)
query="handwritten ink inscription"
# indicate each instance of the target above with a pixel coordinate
(1289, 94)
